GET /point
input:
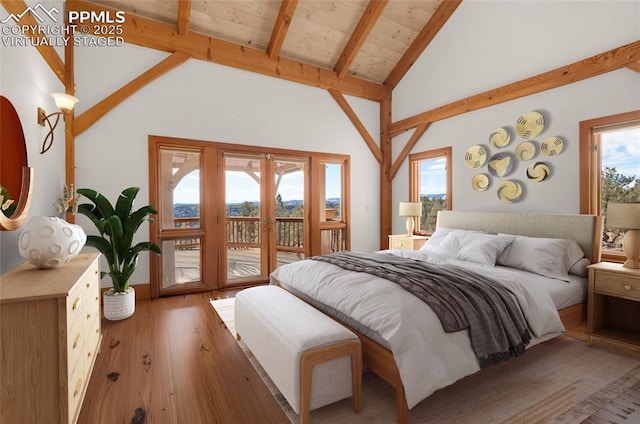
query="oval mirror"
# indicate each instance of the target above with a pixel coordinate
(16, 178)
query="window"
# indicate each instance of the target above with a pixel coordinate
(430, 183)
(610, 171)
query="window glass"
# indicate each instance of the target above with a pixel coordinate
(333, 191)
(430, 183)
(433, 191)
(619, 178)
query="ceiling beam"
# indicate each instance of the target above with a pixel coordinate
(339, 98)
(593, 66)
(281, 27)
(419, 131)
(156, 35)
(359, 36)
(184, 16)
(422, 40)
(634, 66)
(90, 116)
(40, 41)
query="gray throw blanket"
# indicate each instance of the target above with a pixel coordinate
(460, 298)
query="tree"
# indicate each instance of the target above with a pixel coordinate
(616, 187)
(281, 209)
(248, 208)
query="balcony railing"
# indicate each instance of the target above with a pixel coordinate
(244, 232)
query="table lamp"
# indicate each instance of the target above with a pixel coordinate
(626, 216)
(410, 210)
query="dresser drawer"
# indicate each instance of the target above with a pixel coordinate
(75, 345)
(91, 348)
(613, 284)
(75, 303)
(76, 387)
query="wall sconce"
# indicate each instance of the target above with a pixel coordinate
(410, 210)
(65, 103)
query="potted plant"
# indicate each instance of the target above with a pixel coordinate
(117, 226)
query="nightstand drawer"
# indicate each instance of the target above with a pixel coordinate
(405, 242)
(614, 285)
(401, 243)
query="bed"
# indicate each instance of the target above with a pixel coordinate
(398, 330)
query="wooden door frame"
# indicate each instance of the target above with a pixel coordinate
(212, 209)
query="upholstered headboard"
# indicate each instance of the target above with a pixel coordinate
(585, 229)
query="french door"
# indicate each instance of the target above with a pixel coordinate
(264, 214)
(228, 215)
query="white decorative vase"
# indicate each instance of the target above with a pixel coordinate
(49, 242)
(117, 306)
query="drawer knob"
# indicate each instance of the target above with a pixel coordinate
(76, 304)
(88, 317)
(76, 341)
(627, 286)
(76, 391)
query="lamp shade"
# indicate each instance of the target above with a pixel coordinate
(410, 208)
(623, 215)
(65, 102)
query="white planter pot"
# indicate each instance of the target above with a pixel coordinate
(117, 306)
(49, 242)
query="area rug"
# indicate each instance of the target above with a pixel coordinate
(562, 381)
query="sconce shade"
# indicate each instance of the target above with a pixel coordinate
(626, 216)
(410, 208)
(65, 102)
(623, 215)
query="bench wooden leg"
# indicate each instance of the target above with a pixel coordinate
(316, 356)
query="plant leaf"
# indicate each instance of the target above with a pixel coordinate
(124, 204)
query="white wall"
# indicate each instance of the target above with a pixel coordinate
(488, 44)
(205, 101)
(27, 81)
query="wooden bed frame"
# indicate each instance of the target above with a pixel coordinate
(585, 229)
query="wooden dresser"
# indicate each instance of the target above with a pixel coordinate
(49, 336)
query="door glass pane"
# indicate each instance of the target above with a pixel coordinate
(620, 178)
(181, 261)
(333, 191)
(243, 216)
(180, 174)
(180, 210)
(289, 209)
(433, 191)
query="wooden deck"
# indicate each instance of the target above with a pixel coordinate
(240, 263)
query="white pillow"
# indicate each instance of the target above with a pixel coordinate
(543, 256)
(436, 238)
(580, 268)
(574, 254)
(474, 246)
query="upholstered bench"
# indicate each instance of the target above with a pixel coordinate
(313, 360)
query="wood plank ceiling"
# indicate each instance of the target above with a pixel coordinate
(373, 41)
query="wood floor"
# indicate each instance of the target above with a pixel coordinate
(174, 359)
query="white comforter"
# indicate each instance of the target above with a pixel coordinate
(428, 358)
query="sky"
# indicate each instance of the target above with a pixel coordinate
(621, 149)
(241, 187)
(433, 176)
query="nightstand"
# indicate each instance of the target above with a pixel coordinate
(406, 242)
(614, 306)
